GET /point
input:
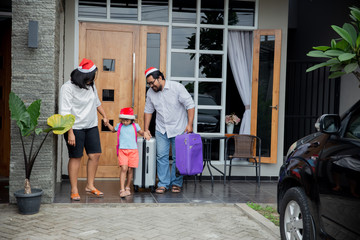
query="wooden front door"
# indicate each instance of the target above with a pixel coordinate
(265, 91)
(119, 52)
(5, 82)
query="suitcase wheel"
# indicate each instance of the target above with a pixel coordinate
(152, 189)
(136, 188)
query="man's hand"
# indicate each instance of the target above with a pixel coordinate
(189, 129)
(147, 135)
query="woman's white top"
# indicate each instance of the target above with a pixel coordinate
(82, 103)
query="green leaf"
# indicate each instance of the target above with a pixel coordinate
(336, 74)
(333, 43)
(34, 112)
(342, 45)
(321, 48)
(352, 32)
(16, 106)
(38, 131)
(58, 121)
(316, 66)
(346, 56)
(351, 67)
(333, 61)
(317, 54)
(355, 12)
(358, 41)
(343, 33)
(334, 53)
(336, 67)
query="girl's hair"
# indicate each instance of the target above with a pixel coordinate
(80, 79)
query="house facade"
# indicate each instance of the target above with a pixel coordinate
(192, 42)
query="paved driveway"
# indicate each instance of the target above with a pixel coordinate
(136, 221)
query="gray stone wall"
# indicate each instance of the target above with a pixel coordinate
(35, 74)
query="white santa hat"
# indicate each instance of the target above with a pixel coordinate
(86, 66)
(150, 70)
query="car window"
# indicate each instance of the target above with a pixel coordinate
(353, 129)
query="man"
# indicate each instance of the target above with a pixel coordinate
(175, 111)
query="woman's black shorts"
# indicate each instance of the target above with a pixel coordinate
(88, 138)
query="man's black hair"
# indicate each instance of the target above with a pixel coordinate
(157, 74)
(81, 79)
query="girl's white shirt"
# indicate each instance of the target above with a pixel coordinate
(82, 103)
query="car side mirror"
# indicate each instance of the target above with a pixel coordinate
(328, 123)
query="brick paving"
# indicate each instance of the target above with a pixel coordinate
(135, 221)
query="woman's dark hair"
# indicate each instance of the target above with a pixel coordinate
(157, 74)
(81, 79)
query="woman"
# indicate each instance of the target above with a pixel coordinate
(79, 97)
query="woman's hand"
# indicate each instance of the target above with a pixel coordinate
(71, 138)
(106, 121)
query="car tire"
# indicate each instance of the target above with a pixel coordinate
(295, 217)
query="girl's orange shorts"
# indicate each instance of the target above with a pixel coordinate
(128, 157)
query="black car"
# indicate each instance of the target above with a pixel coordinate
(319, 182)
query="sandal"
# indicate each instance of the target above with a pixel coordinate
(175, 189)
(95, 192)
(128, 191)
(75, 197)
(160, 190)
(123, 193)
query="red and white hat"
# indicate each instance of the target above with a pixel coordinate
(127, 113)
(86, 66)
(150, 70)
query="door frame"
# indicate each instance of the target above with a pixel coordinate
(140, 49)
(275, 92)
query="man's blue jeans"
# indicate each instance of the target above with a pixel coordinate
(166, 177)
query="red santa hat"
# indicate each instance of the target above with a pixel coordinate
(127, 113)
(150, 70)
(86, 66)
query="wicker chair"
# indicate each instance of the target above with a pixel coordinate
(245, 148)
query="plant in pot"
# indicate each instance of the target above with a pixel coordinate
(343, 55)
(28, 199)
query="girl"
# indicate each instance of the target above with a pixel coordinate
(127, 152)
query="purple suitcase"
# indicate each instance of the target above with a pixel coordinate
(189, 154)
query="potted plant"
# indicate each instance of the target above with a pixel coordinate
(28, 199)
(343, 55)
(230, 121)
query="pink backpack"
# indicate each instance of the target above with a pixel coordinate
(118, 135)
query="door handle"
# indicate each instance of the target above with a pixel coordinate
(276, 107)
(133, 82)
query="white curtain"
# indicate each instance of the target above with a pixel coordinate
(240, 57)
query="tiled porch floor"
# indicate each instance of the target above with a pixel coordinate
(237, 191)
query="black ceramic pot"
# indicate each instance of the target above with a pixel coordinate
(28, 203)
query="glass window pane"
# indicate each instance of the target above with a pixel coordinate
(153, 50)
(183, 37)
(211, 39)
(209, 93)
(241, 13)
(208, 120)
(212, 12)
(189, 87)
(187, 63)
(184, 11)
(210, 66)
(266, 67)
(108, 95)
(92, 8)
(109, 65)
(124, 9)
(155, 10)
